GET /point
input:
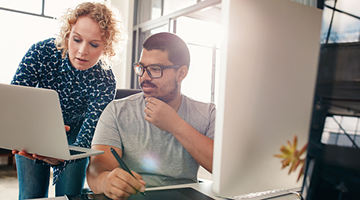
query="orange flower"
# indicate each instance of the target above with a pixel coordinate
(291, 157)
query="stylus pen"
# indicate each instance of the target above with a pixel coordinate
(122, 164)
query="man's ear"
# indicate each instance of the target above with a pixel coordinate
(182, 73)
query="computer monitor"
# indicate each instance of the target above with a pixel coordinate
(265, 91)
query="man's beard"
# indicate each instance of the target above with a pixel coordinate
(167, 97)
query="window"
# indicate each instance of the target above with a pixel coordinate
(341, 131)
(203, 39)
(341, 21)
(338, 74)
(198, 23)
(25, 23)
(34, 6)
(171, 6)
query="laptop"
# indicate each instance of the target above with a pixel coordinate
(186, 193)
(31, 120)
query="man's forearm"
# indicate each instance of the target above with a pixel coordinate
(96, 178)
(198, 145)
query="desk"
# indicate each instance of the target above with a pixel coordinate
(204, 187)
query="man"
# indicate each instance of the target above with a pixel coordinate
(160, 134)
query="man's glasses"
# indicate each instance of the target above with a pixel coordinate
(154, 71)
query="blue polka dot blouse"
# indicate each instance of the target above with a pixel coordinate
(83, 94)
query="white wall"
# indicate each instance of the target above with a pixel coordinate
(122, 68)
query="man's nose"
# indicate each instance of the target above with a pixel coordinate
(145, 75)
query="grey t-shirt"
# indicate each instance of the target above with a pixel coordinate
(155, 154)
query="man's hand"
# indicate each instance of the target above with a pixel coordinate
(119, 184)
(104, 175)
(161, 114)
(166, 118)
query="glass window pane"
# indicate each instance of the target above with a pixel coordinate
(349, 6)
(197, 84)
(159, 29)
(217, 74)
(325, 137)
(358, 128)
(331, 125)
(199, 32)
(344, 28)
(57, 8)
(147, 10)
(155, 9)
(171, 6)
(333, 137)
(349, 124)
(33, 6)
(357, 140)
(28, 30)
(332, 134)
(344, 140)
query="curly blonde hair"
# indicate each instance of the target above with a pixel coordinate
(112, 29)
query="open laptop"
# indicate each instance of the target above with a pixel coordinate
(186, 193)
(31, 120)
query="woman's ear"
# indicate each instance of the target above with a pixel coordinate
(182, 73)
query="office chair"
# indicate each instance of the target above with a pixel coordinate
(121, 93)
(6, 152)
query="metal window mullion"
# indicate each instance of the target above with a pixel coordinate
(343, 12)
(153, 23)
(43, 7)
(27, 13)
(356, 130)
(213, 73)
(137, 55)
(174, 25)
(162, 8)
(331, 22)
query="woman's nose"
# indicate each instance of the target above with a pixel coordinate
(83, 49)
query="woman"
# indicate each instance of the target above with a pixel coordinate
(76, 65)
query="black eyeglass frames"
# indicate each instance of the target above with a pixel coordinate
(154, 71)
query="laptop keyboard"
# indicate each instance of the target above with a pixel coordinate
(74, 152)
(87, 197)
(78, 197)
(270, 193)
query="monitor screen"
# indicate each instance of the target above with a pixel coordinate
(265, 92)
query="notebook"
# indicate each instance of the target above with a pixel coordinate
(31, 120)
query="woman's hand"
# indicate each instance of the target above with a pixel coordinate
(51, 161)
(67, 128)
